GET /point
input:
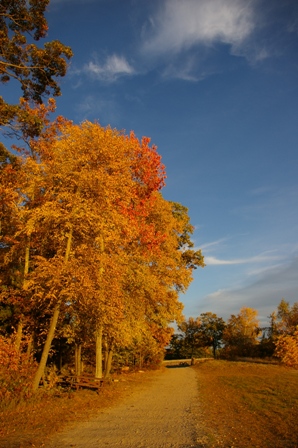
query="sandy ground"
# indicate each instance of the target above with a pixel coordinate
(160, 414)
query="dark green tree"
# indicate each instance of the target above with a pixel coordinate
(192, 339)
(211, 329)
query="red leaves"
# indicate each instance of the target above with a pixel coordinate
(147, 167)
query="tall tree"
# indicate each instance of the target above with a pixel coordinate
(286, 318)
(98, 195)
(212, 329)
(99, 240)
(191, 335)
(241, 333)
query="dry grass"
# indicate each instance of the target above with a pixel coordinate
(31, 424)
(247, 405)
(240, 405)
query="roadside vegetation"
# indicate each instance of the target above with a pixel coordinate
(244, 404)
(239, 404)
(32, 422)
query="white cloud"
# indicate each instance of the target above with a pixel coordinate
(261, 258)
(179, 25)
(114, 67)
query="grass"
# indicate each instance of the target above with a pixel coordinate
(249, 405)
(240, 405)
(32, 423)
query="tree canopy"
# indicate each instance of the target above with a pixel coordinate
(94, 246)
(34, 68)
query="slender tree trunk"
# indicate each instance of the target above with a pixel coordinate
(27, 259)
(47, 347)
(29, 347)
(140, 360)
(98, 331)
(106, 354)
(78, 362)
(109, 364)
(19, 334)
(98, 351)
(51, 333)
(20, 327)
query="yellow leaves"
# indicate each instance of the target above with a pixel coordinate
(287, 349)
(90, 196)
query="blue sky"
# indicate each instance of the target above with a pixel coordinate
(214, 83)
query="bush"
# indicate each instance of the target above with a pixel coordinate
(287, 349)
(16, 372)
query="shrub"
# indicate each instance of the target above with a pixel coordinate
(16, 372)
(287, 349)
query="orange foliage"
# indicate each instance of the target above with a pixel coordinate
(130, 253)
(16, 372)
(287, 349)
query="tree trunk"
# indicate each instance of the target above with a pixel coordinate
(78, 362)
(106, 354)
(19, 334)
(98, 351)
(214, 350)
(51, 333)
(46, 348)
(27, 259)
(98, 331)
(140, 360)
(109, 364)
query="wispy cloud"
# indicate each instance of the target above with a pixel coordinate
(261, 258)
(103, 109)
(213, 244)
(114, 67)
(264, 292)
(75, 1)
(184, 70)
(177, 25)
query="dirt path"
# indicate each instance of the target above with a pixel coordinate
(159, 415)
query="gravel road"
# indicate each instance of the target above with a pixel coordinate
(160, 415)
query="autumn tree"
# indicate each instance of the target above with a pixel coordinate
(202, 332)
(241, 333)
(94, 201)
(286, 318)
(165, 269)
(97, 242)
(190, 330)
(284, 332)
(35, 69)
(212, 330)
(287, 348)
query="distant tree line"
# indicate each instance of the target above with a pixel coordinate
(241, 336)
